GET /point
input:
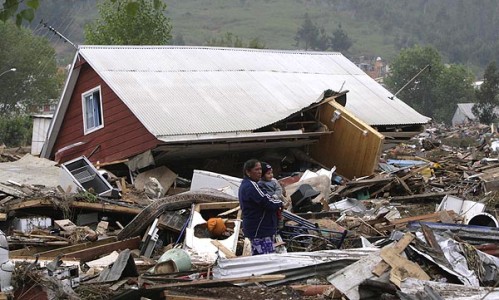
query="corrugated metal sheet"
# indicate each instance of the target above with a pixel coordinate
(196, 90)
(269, 263)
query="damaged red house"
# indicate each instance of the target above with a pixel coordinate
(164, 104)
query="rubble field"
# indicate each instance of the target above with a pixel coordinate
(422, 226)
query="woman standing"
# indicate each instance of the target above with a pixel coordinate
(259, 210)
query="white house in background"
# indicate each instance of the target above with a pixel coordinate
(41, 125)
(477, 84)
(464, 114)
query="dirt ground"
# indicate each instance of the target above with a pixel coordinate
(245, 293)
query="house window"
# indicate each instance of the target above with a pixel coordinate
(92, 110)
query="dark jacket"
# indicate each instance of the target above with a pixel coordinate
(259, 210)
(272, 187)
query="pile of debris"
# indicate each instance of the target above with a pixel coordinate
(423, 226)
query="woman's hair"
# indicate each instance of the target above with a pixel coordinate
(249, 164)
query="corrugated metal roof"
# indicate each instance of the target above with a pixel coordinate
(466, 109)
(196, 90)
(268, 263)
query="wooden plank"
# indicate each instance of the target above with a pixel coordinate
(28, 251)
(382, 266)
(225, 213)
(225, 250)
(88, 254)
(433, 217)
(77, 204)
(11, 191)
(216, 205)
(201, 282)
(3, 217)
(118, 284)
(402, 268)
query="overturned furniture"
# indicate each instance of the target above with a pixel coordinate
(200, 239)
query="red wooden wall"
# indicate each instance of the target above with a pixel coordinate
(121, 137)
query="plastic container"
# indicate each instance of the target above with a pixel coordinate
(173, 261)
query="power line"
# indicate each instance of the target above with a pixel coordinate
(59, 34)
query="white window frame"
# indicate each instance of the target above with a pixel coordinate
(84, 110)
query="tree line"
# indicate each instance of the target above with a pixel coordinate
(435, 93)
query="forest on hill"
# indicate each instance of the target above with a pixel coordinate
(464, 32)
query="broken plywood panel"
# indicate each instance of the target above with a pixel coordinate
(347, 280)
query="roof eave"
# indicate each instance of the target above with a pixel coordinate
(62, 106)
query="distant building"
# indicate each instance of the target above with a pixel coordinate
(41, 125)
(477, 84)
(464, 114)
(376, 68)
(41, 115)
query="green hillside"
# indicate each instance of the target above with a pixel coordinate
(463, 31)
(274, 22)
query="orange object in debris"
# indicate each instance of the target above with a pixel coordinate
(216, 226)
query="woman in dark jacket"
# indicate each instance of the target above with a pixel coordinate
(259, 210)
